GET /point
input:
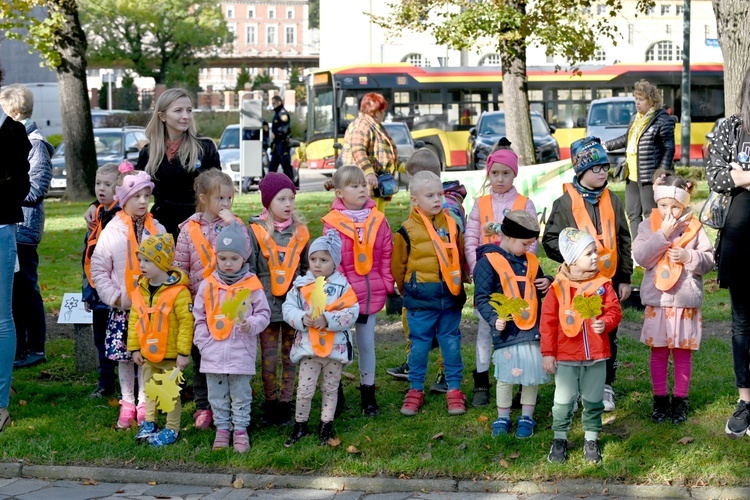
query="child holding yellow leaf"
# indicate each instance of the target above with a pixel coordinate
(160, 336)
(322, 307)
(576, 318)
(230, 311)
(508, 288)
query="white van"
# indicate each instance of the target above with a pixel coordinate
(46, 107)
(609, 119)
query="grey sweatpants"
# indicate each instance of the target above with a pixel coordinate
(230, 397)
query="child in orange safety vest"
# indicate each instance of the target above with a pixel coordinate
(230, 312)
(160, 329)
(194, 254)
(279, 241)
(322, 307)
(577, 314)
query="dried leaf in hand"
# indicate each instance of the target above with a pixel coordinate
(482, 418)
(333, 442)
(588, 307)
(353, 450)
(439, 435)
(504, 464)
(686, 440)
(238, 483)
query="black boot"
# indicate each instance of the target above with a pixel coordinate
(661, 409)
(340, 401)
(369, 405)
(270, 410)
(481, 389)
(284, 412)
(326, 432)
(679, 410)
(298, 432)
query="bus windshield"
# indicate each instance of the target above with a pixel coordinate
(321, 115)
(611, 114)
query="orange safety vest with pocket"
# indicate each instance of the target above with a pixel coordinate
(219, 325)
(153, 331)
(570, 319)
(526, 320)
(132, 269)
(283, 269)
(322, 340)
(606, 241)
(448, 255)
(205, 251)
(486, 214)
(91, 242)
(667, 272)
(369, 229)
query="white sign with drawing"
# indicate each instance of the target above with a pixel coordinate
(72, 310)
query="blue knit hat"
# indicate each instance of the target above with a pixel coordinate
(586, 153)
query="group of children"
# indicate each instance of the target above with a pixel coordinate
(224, 286)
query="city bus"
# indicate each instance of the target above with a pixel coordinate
(441, 105)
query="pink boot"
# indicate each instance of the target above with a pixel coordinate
(203, 419)
(127, 413)
(141, 412)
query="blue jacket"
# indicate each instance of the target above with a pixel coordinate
(40, 174)
(486, 282)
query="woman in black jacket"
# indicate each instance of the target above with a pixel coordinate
(650, 146)
(174, 157)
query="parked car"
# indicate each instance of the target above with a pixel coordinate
(112, 145)
(709, 138)
(609, 119)
(401, 135)
(490, 128)
(102, 118)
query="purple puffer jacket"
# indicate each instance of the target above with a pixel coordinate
(186, 255)
(373, 288)
(649, 247)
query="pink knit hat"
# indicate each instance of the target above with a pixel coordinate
(131, 184)
(505, 157)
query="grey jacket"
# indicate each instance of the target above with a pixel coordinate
(40, 174)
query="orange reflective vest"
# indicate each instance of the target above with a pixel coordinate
(570, 320)
(369, 229)
(322, 340)
(205, 251)
(667, 271)
(283, 269)
(91, 242)
(132, 269)
(219, 325)
(606, 241)
(153, 331)
(448, 255)
(486, 214)
(509, 281)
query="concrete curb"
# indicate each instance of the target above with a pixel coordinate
(368, 484)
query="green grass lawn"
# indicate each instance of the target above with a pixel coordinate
(56, 423)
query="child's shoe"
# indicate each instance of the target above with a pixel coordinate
(558, 453)
(147, 430)
(609, 398)
(269, 412)
(222, 439)
(240, 441)
(661, 409)
(456, 402)
(140, 412)
(163, 438)
(127, 413)
(370, 406)
(326, 432)
(500, 426)
(481, 389)
(412, 402)
(591, 451)
(203, 419)
(400, 372)
(340, 401)
(738, 423)
(284, 413)
(525, 427)
(440, 386)
(679, 410)
(299, 431)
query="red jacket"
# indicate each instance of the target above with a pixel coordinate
(587, 345)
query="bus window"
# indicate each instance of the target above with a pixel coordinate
(322, 112)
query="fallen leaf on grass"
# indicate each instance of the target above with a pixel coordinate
(269, 486)
(348, 375)
(439, 435)
(118, 492)
(504, 464)
(153, 483)
(89, 482)
(22, 402)
(333, 442)
(403, 476)
(686, 440)
(128, 462)
(114, 402)
(626, 364)
(353, 450)
(426, 456)
(609, 420)
(487, 446)
(604, 491)
(482, 418)
(368, 439)
(341, 488)
(31, 427)
(238, 483)
(514, 455)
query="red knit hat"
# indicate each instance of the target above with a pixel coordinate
(271, 184)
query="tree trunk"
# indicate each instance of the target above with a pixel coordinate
(75, 109)
(734, 39)
(517, 119)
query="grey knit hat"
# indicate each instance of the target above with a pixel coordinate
(329, 242)
(232, 239)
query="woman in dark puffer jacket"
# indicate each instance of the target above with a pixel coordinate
(649, 144)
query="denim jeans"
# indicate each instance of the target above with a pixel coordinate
(740, 298)
(7, 327)
(28, 308)
(424, 325)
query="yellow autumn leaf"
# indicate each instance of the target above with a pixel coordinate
(588, 307)
(318, 297)
(165, 389)
(505, 307)
(236, 307)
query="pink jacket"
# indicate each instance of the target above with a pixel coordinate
(108, 262)
(373, 288)
(236, 354)
(185, 253)
(649, 247)
(501, 204)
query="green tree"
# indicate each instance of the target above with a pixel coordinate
(314, 14)
(263, 81)
(243, 78)
(127, 95)
(155, 38)
(734, 39)
(562, 26)
(52, 27)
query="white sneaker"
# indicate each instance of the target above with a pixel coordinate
(609, 398)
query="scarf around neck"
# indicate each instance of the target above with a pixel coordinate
(278, 226)
(565, 270)
(232, 278)
(590, 195)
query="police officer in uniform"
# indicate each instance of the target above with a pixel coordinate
(281, 128)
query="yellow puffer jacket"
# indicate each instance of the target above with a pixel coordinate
(415, 265)
(180, 337)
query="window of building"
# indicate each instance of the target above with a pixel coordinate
(586, 11)
(251, 33)
(663, 51)
(251, 12)
(666, 9)
(270, 35)
(232, 27)
(679, 9)
(600, 55)
(669, 29)
(290, 35)
(271, 13)
(417, 60)
(601, 9)
(550, 59)
(230, 12)
(290, 13)
(491, 60)
(651, 11)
